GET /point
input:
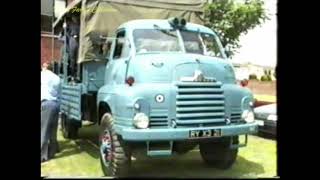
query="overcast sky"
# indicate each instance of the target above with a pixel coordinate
(259, 45)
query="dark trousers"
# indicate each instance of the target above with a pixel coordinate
(49, 126)
(73, 49)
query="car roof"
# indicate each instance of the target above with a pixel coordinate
(269, 109)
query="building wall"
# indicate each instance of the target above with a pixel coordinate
(46, 27)
(46, 48)
(69, 1)
(47, 7)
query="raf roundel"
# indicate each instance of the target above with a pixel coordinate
(159, 98)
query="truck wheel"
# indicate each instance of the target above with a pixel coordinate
(218, 154)
(69, 128)
(115, 156)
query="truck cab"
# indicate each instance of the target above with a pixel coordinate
(159, 86)
(168, 86)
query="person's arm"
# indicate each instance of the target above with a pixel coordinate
(59, 89)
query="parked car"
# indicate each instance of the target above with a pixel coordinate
(266, 116)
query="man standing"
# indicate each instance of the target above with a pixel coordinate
(74, 30)
(50, 83)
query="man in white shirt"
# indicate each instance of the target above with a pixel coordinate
(50, 83)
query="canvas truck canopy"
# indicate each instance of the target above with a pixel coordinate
(72, 7)
(103, 17)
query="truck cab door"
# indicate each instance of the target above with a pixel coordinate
(118, 59)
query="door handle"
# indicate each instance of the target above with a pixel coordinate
(157, 64)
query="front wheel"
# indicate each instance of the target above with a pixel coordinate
(68, 127)
(115, 156)
(218, 154)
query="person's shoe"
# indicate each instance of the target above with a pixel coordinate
(44, 160)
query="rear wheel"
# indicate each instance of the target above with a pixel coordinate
(115, 156)
(69, 127)
(218, 154)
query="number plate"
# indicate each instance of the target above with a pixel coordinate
(260, 123)
(205, 133)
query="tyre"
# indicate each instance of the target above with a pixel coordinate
(115, 156)
(218, 153)
(68, 127)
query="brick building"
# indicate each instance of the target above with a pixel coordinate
(48, 39)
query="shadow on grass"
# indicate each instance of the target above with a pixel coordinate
(90, 133)
(267, 135)
(67, 148)
(70, 147)
(88, 148)
(191, 165)
(183, 166)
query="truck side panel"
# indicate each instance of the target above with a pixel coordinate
(71, 100)
(93, 75)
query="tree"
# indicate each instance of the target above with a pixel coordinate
(230, 19)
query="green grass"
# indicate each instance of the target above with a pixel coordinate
(81, 158)
(77, 158)
(267, 98)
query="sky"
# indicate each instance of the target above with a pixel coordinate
(259, 45)
(58, 8)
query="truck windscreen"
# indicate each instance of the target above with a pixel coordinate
(201, 43)
(156, 40)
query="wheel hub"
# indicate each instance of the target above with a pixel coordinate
(106, 148)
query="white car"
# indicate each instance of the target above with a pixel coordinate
(266, 116)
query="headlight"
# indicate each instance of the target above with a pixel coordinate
(248, 116)
(141, 121)
(272, 117)
(136, 106)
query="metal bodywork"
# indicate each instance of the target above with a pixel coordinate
(187, 105)
(185, 102)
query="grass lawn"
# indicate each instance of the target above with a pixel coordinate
(267, 98)
(80, 158)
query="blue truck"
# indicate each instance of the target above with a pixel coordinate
(161, 86)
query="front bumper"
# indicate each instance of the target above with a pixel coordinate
(131, 134)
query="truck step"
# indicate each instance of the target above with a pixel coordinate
(159, 148)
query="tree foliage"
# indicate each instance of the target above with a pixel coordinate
(230, 19)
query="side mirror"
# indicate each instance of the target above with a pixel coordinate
(227, 53)
(106, 47)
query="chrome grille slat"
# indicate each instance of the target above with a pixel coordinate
(197, 121)
(199, 104)
(191, 115)
(201, 108)
(235, 117)
(220, 102)
(200, 90)
(202, 97)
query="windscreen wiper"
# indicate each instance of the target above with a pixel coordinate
(164, 31)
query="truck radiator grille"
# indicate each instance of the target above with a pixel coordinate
(199, 104)
(158, 119)
(235, 117)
